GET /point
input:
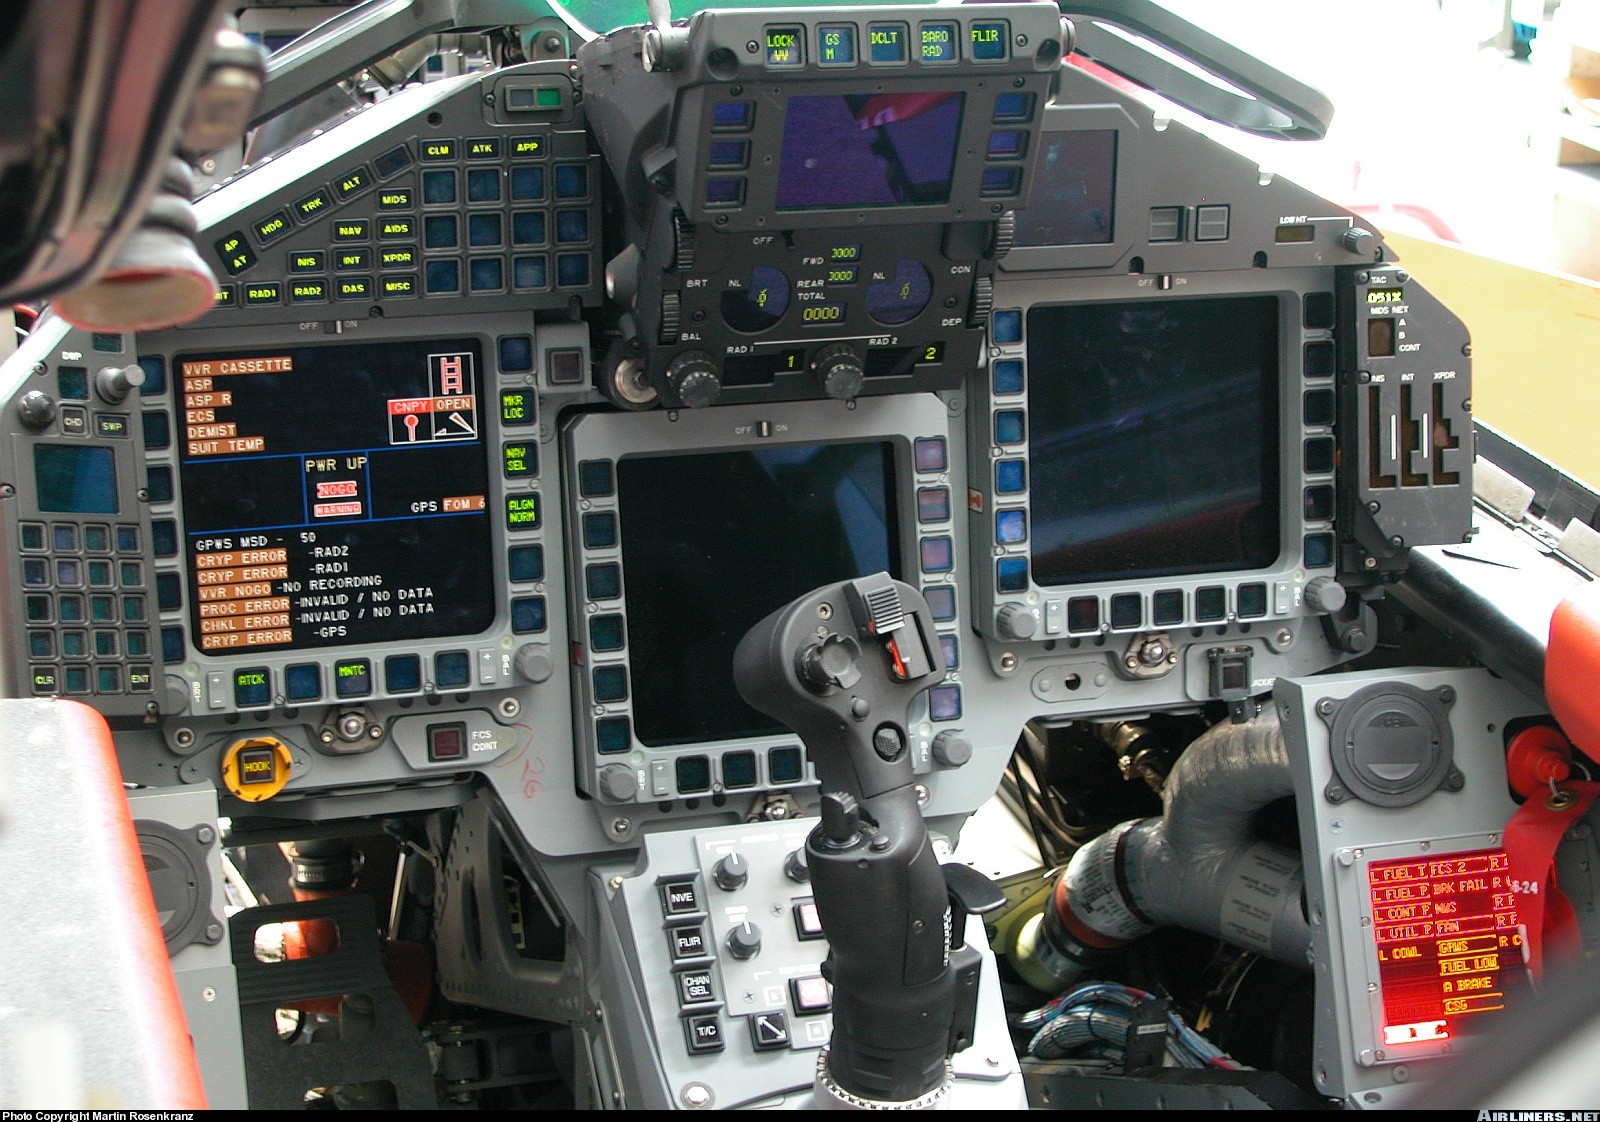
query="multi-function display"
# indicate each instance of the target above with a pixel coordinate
(712, 543)
(335, 494)
(869, 150)
(1162, 457)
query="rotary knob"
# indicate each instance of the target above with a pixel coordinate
(951, 749)
(533, 663)
(744, 941)
(1324, 595)
(1005, 235)
(831, 662)
(36, 409)
(671, 317)
(982, 301)
(1017, 621)
(115, 383)
(1356, 240)
(682, 244)
(618, 783)
(840, 372)
(795, 867)
(693, 375)
(731, 872)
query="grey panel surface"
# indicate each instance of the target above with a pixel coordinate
(1341, 839)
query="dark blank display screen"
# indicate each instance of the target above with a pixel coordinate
(713, 543)
(1074, 190)
(72, 480)
(1153, 438)
(335, 494)
(860, 150)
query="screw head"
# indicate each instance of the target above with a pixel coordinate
(621, 825)
(209, 994)
(615, 882)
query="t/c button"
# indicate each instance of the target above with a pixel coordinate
(704, 1033)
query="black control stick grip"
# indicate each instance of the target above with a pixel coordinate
(840, 666)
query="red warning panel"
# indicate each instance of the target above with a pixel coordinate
(1448, 941)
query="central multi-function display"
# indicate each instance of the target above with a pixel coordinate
(334, 495)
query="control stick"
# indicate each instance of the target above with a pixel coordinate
(840, 666)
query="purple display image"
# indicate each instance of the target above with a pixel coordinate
(868, 150)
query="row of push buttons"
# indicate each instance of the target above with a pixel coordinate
(252, 687)
(937, 42)
(937, 556)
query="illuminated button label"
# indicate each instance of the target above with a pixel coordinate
(352, 260)
(354, 288)
(517, 407)
(397, 228)
(520, 460)
(227, 296)
(140, 679)
(394, 198)
(313, 204)
(351, 230)
(265, 292)
(44, 680)
(403, 257)
(435, 150)
(988, 41)
(527, 146)
(936, 42)
(353, 183)
(235, 254)
(484, 148)
(886, 43)
(308, 291)
(353, 678)
(111, 425)
(251, 687)
(400, 286)
(307, 261)
(272, 227)
(257, 766)
(522, 512)
(836, 46)
(783, 47)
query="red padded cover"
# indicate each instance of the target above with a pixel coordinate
(1572, 669)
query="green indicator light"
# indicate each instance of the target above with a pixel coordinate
(548, 97)
(522, 512)
(516, 407)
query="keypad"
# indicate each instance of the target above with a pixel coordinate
(82, 576)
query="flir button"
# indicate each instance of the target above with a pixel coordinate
(680, 897)
(688, 942)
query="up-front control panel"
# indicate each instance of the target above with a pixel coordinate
(482, 188)
(813, 198)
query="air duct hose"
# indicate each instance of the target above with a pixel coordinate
(1198, 866)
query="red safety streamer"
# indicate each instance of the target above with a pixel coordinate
(1531, 839)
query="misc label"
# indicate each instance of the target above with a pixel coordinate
(1261, 881)
(1092, 888)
